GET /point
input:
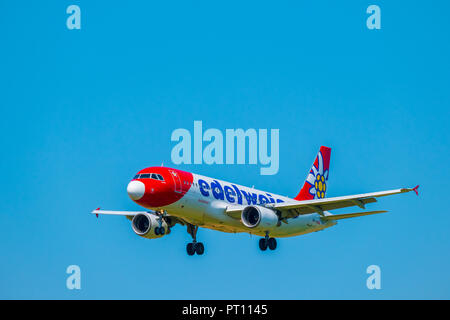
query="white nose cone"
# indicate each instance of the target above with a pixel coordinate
(136, 190)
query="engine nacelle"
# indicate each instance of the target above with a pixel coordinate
(147, 225)
(259, 218)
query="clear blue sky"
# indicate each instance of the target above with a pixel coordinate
(83, 110)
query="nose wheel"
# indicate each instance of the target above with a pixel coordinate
(267, 242)
(162, 216)
(194, 247)
(160, 231)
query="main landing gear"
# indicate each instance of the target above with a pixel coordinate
(194, 247)
(267, 242)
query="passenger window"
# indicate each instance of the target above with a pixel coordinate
(145, 176)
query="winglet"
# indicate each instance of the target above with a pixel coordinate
(415, 189)
(97, 213)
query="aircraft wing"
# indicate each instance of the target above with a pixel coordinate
(117, 213)
(295, 208)
(172, 220)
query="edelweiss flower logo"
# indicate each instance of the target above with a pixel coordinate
(318, 179)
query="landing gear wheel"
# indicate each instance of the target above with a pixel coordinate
(157, 231)
(194, 247)
(199, 248)
(263, 244)
(272, 243)
(162, 231)
(190, 249)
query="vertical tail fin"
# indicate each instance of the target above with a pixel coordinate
(315, 186)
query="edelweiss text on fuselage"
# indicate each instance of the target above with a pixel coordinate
(233, 194)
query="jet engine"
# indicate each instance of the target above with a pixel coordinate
(148, 225)
(260, 218)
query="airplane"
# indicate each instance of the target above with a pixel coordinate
(171, 196)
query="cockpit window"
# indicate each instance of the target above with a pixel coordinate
(154, 176)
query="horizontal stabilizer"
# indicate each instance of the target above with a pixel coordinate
(351, 215)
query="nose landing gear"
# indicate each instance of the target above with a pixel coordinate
(160, 230)
(267, 242)
(194, 247)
